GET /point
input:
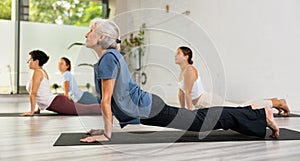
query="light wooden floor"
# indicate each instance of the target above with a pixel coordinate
(31, 138)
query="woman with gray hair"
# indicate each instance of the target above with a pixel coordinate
(130, 104)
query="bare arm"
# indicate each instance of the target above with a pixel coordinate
(34, 86)
(66, 88)
(189, 79)
(107, 92)
(181, 98)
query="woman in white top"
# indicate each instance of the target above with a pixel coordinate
(40, 92)
(191, 92)
(69, 85)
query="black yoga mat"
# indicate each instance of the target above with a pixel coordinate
(290, 115)
(18, 114)
(43, 114)
(143, 137)
(56, 114)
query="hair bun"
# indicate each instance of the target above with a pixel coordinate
(118, 41)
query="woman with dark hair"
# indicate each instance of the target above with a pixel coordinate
(191, 92)
(69, 85)
(121, 96)
(40, 92)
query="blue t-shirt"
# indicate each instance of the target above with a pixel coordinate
(129, 102)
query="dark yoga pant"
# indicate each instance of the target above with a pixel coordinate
(63, 105)
(244, 120)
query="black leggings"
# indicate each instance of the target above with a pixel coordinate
(244, 120)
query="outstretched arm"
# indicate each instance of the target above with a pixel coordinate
(107, 92)
(104, 135)
(189, 80)
(34, 86)
(66, 88)
(181, 98)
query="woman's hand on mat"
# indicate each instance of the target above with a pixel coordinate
(27, 114)
(95, 132)
(96, 138)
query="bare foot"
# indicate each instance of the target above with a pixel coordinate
(95, 132)
(271, 123)
(281, 106)
(254, 107)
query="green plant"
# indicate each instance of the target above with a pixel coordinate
(88, 86)
(5, 12)
(80, 44)
(55, 87)
(68, 12)
(75, 44)
(134, 41)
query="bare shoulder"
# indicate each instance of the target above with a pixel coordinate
(37, 74)
(192, 67)
(191, 70)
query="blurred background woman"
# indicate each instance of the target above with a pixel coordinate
(41, 94)
(69, 85)
(191, 92)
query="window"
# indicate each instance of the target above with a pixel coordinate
(5, 12)
(38, 31)
(67, 12)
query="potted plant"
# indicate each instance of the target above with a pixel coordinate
(133, 49)
(88, 86)
(55, 87)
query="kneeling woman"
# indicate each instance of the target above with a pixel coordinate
(40, 92)
(130, 104)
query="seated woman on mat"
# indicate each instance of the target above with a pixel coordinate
(191, 91)
(122, 96)
(40, 92)
(69, 85)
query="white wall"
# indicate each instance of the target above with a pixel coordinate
(54, 40)
(7, 52)
(258, 42)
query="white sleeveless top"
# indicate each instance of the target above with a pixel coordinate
(197, 89)
(44, 95)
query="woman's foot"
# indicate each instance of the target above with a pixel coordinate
(281, 106)
(95, 132)
(254, 107)
(271, 123)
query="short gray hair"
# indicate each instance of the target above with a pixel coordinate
(109, 29)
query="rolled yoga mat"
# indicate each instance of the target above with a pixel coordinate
(147, 137)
